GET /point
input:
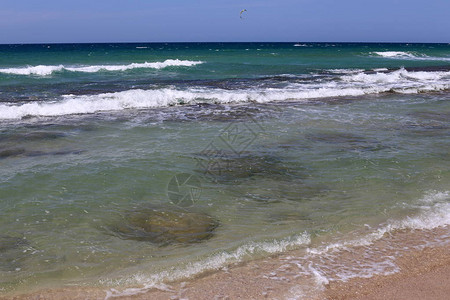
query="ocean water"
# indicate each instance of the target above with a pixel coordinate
(276, 146)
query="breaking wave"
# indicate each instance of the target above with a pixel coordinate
(352, 84)
(43, 70)
(408, 55)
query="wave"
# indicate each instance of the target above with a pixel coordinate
(408, 55)
(352, 84)
(402, 77)
(43, 70)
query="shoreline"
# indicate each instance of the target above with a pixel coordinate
(423, 272)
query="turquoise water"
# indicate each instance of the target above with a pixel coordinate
(285, 146)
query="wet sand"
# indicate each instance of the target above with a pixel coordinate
(423, 272)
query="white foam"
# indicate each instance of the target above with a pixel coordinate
(435, 197)
(435, 207)
(394, 54)
(380, 69)
(408, 55)
(319, 278)
(43, 70)
(40, 70)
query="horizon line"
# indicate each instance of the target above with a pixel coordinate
(223, 42)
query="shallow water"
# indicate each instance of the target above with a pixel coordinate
(297, 172)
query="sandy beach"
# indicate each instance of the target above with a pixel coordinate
(422, 274)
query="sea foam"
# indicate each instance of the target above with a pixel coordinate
(43, 70)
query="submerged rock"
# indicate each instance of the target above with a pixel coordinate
(11, 152)
(431, 115)
(9, 242)
(62, 152)
(226, 166)
(43, 135)
(335, 138)
(162, 226)
(17, 144)
(5, 153)
(425, 130)
(32, 136)
(346, 141)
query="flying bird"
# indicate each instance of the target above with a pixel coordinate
(242, 11)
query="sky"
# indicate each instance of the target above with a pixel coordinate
(73, 21)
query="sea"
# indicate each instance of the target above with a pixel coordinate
(138, 164)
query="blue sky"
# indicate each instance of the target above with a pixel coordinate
(53, 21)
